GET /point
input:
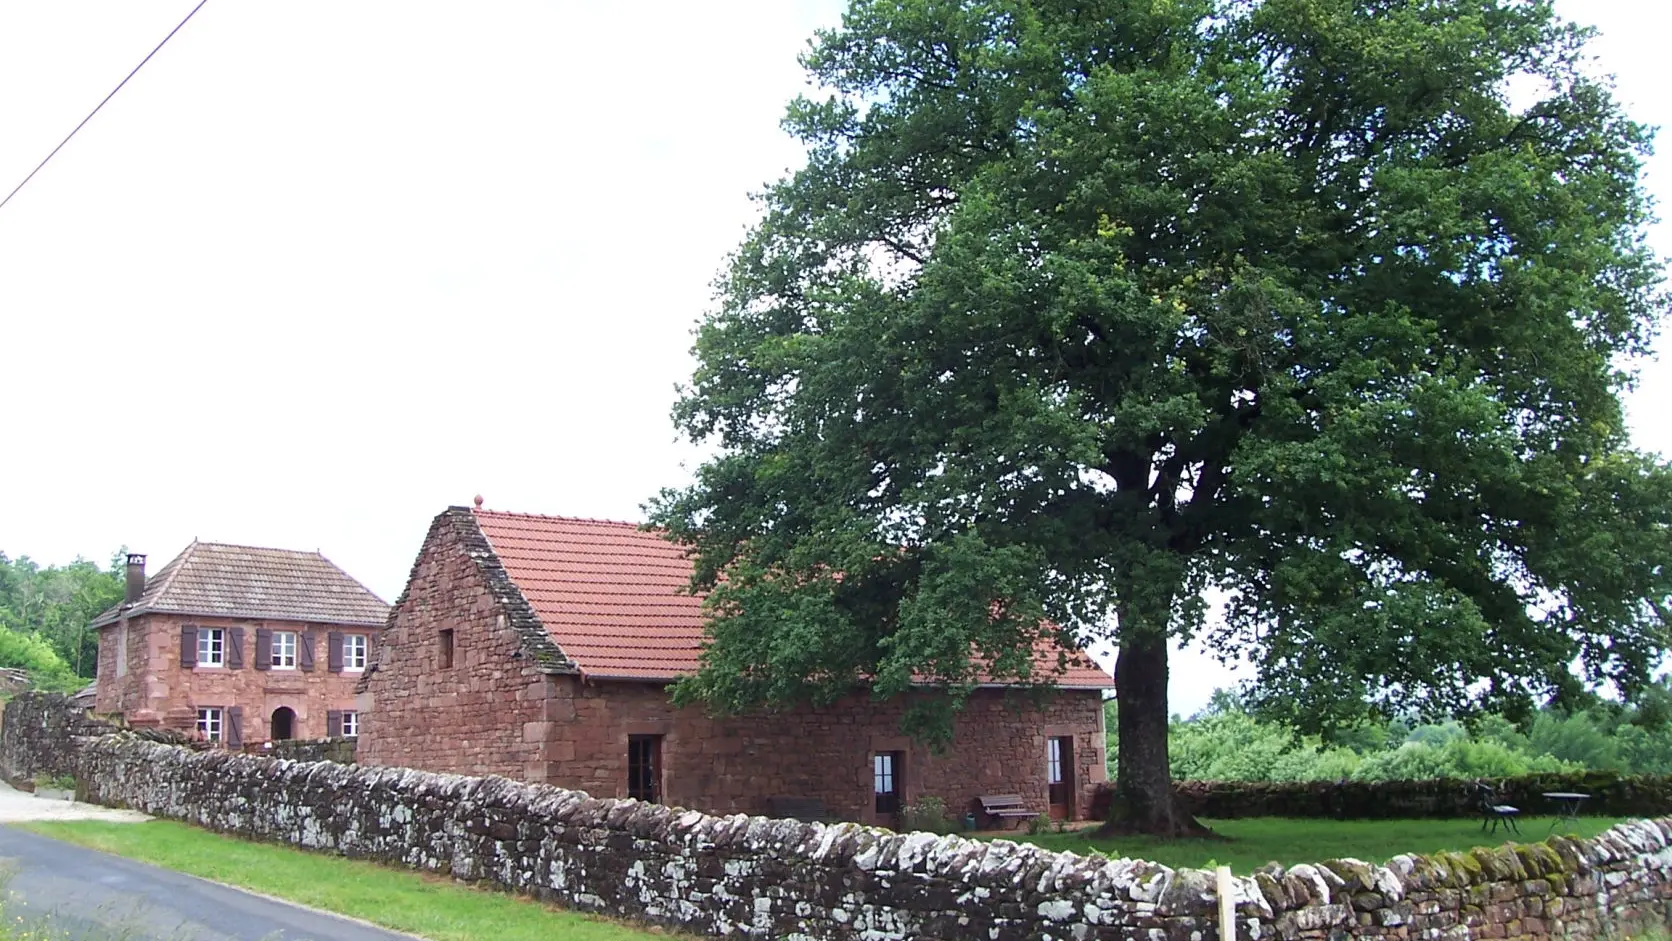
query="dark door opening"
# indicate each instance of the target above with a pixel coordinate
(888, 780)
(1059, 774)
(644, 768)
(284, 723)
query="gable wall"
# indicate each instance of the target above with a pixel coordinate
(735, 765)
(157, 690)
(482, 716)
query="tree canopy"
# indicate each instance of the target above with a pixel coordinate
(45, 615)
(1078, 311)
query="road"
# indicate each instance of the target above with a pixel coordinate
(85, 895)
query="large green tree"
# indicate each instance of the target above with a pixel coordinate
(56, 605)
(1083, 310)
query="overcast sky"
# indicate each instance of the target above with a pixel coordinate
(323, 269)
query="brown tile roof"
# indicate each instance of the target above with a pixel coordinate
(211, 578)
(611, 595)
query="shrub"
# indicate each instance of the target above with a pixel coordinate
(927, 814)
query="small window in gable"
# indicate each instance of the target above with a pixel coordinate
(445, 650)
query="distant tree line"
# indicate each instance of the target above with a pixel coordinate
(1226, 741)
(46, 613)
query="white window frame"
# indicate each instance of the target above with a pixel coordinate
(355, 649)
(351, 723)
(284, 650)
(211, 723)
(211, 647)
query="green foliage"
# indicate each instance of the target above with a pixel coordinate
(1078, 311)
(55, 605)
(1226, 742)
(47, 670)
(927, 815)
(1247, 844)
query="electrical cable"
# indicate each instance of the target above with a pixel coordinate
(101, 104)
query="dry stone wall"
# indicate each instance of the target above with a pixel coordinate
(756, 877)
(783, 879)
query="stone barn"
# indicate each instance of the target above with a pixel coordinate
(541, 648)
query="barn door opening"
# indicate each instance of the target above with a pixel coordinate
(1059, 772)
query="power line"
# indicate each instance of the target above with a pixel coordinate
(101, 104)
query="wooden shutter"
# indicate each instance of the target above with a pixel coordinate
(333, 723)
(235, 727)
(304, 650)
(263, 649)
(234, 648)
(334, 651)
(188, 646)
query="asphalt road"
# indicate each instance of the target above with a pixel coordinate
(85, 895)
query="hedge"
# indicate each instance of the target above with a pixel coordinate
(1612, 795)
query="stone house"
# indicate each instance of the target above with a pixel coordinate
(540, 648)
(239, 644)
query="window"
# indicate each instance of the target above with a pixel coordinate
(211, 647)
(284, 650)
(1053, 762)
(209, 723)
(354, 653)
(351, 722)
(644, 767)
(886, 773)
(122, 649)
(446, 650)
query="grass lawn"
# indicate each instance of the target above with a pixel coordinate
(402, 899)
(1253, 842)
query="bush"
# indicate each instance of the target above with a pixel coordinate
(928, 815)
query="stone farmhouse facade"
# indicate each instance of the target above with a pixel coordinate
(540, 648)
(238, 644)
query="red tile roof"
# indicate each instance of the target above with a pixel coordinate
(611, 595)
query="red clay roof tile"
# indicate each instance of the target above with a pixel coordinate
(612, 595)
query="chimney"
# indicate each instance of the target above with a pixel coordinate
(136, 578)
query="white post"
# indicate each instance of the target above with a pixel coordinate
(1227, 906)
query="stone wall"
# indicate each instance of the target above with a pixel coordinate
(42, 734)
(736, 765)
(155, 689)
(475, 716)
(503, 708)
(783, 879)
(340, 750)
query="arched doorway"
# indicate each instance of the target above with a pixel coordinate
(284, 723)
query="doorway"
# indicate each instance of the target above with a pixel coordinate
(284, 724)
(1059, 774)
(644, 768)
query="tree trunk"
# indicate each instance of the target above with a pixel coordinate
(1144, 801)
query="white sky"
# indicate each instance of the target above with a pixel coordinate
(323, 269)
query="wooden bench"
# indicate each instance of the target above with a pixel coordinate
(807, 809)
(1006, 807)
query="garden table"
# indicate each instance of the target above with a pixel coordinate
(1567, 806)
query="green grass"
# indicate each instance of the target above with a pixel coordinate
(1251, 843)
(408, 901)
